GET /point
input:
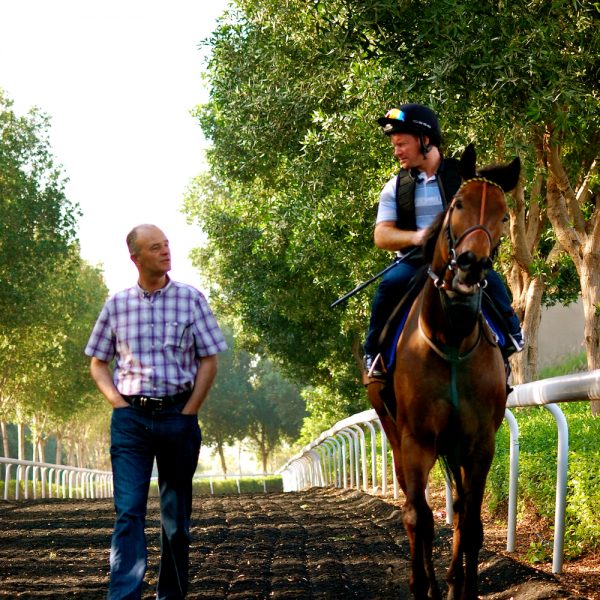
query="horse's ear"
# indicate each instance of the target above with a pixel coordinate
(466, 165)
(511, 175)
(506, 176)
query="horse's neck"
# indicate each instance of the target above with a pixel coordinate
(449, 323)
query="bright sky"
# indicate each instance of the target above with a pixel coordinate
(118, 79)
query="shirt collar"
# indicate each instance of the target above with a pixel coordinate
(419, 176)
(422, 177)
(155, 294)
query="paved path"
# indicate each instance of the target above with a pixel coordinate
(319, 544)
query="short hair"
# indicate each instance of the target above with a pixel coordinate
(132, 237)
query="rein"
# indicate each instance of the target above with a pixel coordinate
(450, 353)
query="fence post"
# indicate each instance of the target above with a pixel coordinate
(561, 486)
(513, 479)
(363, 456)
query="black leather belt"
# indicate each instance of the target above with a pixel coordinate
(156, 402)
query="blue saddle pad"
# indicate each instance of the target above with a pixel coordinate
(389, 354)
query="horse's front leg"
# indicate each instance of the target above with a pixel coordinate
(473, 527)
(468, 532)
(418, 520)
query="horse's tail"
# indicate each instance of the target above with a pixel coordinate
(449, 467)
(450, 458)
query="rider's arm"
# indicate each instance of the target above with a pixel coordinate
(388, 237)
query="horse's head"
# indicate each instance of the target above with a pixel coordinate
(472, 225)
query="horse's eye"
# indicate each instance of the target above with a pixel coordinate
(505, 219)
(458, 204)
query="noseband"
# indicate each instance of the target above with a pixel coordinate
(453, 241)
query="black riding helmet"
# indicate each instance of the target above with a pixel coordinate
(412, 118)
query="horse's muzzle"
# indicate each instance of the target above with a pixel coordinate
(470, 271)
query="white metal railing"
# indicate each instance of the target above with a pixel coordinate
(325, 460)
(67, 482)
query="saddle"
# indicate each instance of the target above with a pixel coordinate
(395, 324)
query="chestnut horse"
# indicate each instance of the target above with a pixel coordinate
(449, 379)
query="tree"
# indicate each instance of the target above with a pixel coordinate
(46, 377)
(49, 297)
(297, 88)
(250, 400)
(61, 389)
(37, 221)
(275, 411)
(224, 416)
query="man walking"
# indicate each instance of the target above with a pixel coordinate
(164, 340)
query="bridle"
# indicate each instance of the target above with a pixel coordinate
(453, 241)
(450, 352)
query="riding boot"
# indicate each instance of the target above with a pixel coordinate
(515, 339)
(507, 371)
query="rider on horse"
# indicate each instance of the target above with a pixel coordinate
(408, 204)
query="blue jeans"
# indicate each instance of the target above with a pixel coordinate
(391, 289)
(393, 286)
(137, 437)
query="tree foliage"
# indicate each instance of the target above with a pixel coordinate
(297, 160)
(45, 377)
(250, 400)
(224, 416)
(49, 297)
(275, 411)
(37, 221)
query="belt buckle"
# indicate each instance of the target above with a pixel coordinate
(151, 402)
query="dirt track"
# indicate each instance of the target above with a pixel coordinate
(319, 544)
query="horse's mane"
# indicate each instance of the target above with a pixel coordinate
(433, 232)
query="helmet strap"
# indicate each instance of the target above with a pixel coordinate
(424, 148)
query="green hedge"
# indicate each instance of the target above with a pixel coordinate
(222, 486)
(56, 490)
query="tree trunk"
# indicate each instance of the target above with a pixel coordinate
(58, 457)
(70, 454)
(524, 364)
(21, 441)
(4, 433)
(264, 451)
(581, 239)
(221, 452)
(78, 455)
(265, 459)
(42, 450)
(5, 447)
(590, 294)
(526, 226)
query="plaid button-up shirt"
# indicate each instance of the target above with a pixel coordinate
(156, 339)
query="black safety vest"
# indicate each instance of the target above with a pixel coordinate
(449, 176)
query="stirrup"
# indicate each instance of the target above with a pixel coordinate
(373, 369)
(375, 374)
